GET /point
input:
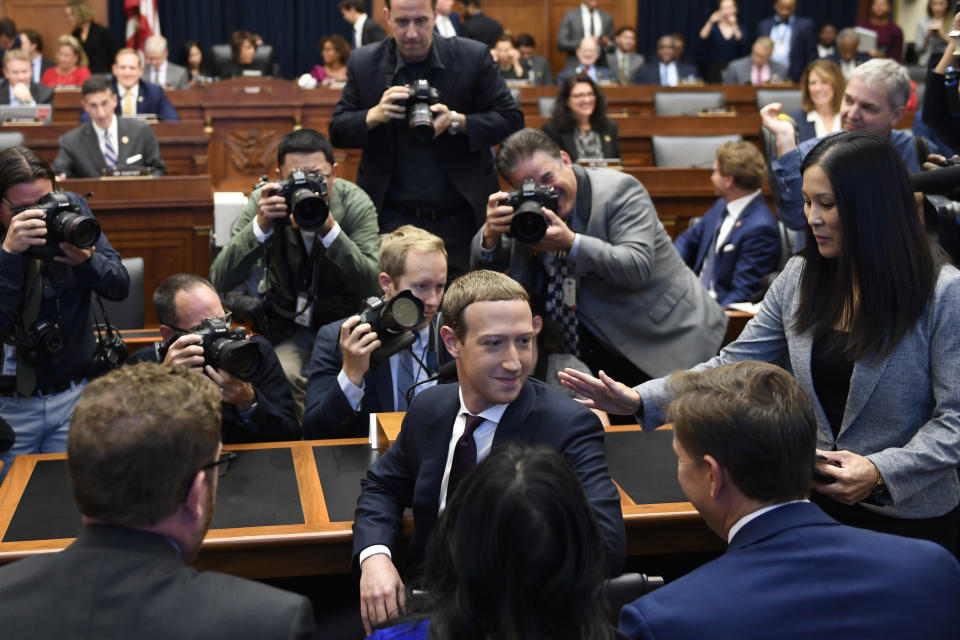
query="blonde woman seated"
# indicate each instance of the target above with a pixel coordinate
(822, 85)
(72, 66)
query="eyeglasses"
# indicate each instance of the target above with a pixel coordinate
(578, 96)
(223, 464)
(225, 318)
(7, 202)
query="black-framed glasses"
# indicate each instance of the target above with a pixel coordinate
(226, 318)
(222, 464)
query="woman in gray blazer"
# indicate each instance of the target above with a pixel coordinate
(868, 321)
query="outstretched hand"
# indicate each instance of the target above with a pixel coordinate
(602, 393)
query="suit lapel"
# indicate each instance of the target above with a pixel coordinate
(91, 148)
(513, 425)
(866, 375)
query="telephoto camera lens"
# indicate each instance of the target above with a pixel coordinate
(80, 231)
(241, 359)
(309, 209)
(529, 225)
(421, 122)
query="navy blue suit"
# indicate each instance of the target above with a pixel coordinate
(650, 72)
(803, 42)
(805, 129)
(410, 472)
(150, 99)
(750, 251)
(796, 573)
(328, 413)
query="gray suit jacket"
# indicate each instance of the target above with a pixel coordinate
(542, 73)
(634, 62)
(633, 290)
(80, 155)
(903, 412)
(177, 76)
(571, 30)
(739, 71)
(42, 94)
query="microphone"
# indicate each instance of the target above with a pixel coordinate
(446, 373)
(941, 180)
(7, 436)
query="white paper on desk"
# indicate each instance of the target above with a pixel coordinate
(749, 307)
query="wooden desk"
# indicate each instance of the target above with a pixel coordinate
(319, 540)
(167, 221)
(183, 145)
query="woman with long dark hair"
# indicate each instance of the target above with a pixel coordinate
(868, 321)
(579, 123)
(517, 554)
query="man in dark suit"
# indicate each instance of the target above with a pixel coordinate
(133, 93)
(794, 37)
(106, 141)
(437, 183)
(32, 42)
(757, 68)
(365, 30)
(488, 329)
(17, 86)
(539, 67)
(667, 70)
(144, 458)
(737, 241)
(343, 386)
(479, 26)
(584, 21)
(745, 437)
(847, 56)
(256, 402)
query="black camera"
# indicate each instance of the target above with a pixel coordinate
(41, 341)
(419, 117)
(393, 321)
(304, 193)
(528, 224)
(224, 348)
(64, 223)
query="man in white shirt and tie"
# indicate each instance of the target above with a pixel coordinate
(582, 22)
(448, 22)
(365, 31)
(160, 70)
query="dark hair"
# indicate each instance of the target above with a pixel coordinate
(523, 144)
(185, 53)
(563, 117)
(304, 141)
(8, 28)
(238, 38)
(96, 84)
(754, 419)
(20, 165)
(358, 5)
(34, 37)
(433, 4)
(885, 275)
(517, 554)
(623, 28)
(164, 298)
(525, 40)
(138, 437)
(339, 43)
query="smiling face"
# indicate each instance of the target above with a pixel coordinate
(247, 52)
(588, 52)
(627, 40)
(821, 91)
(425, 275)
(127, 69)
(820, 209)
(412, 24)
(666, 49)
(868, 109)
(66, 58)
(17, 72)
(543, 169)
(582, 101)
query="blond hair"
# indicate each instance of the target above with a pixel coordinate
(395, 245)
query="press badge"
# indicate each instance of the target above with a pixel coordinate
(570, 292)
(9, 360)
(304, 312)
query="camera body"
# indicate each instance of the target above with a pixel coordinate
(393, 321)
(305, 193)
(421, 96)
(224, 348)
(64, 223)
(42, 340)
(528, 224)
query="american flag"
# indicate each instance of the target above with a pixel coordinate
(143, 21)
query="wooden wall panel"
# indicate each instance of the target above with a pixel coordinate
(48, 18)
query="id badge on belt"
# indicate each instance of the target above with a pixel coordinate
(570, 292)
(9, 360)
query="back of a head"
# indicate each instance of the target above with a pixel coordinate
(744, 162)
(517, 553)
(754, 419)
(138, 437)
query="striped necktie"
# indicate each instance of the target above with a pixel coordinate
(109, 153)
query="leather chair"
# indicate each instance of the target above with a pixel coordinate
(688, 151)
(791, 99)
(626, 588)
(686, 103)
(545, 104)
(220, 54)
(129, 312)
(10, 139)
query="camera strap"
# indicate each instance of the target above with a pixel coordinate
(111, 351)
(30, 311)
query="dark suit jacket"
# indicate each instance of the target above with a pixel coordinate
(328, 413)
(795, 573)
(151, 98)
(115, 582)
(410, 472)
(482, 28)
(750, 251)
(45, 63)
(803, 42)
(80, 155)
(470, 83)
(603, 73)
(543, 74)
(99, 46)
(372, 31)
(805, 129)
(41, 94)
(274, 418)
(609, 139)
(570, 32)
(650, 72)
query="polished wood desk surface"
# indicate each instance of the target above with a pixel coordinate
(320, 543)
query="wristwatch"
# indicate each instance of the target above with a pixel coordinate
(454, 127)
(880, 487)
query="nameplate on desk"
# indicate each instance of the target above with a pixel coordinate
(127, 173)
(717, 112)
(143, 117)
(20, 114)
(597, 163)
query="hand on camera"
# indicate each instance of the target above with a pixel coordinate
(272, 206)
(357, 342)
(499, 216)
(27, 229)
(236, 392)
(559, 237)
(442, 118)
(388, 109)
(73, 256)
(186, 351)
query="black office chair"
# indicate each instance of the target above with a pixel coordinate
(791, 99)
(626, 588)
(687, 103)
(10, 139)
(688, 151)
(220, 54)
(129, 312)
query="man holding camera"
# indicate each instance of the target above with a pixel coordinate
(344, 385)
(333, 262)
(440, 181)
(257, 406)
(50, 261)
(611, 278)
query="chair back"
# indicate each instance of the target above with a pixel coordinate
(686, 103)
(129, 312)
(688, 151)
(791, 99)
(545, 104)
(10, 139)
(626, 588)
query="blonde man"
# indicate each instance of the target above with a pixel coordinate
(17, 86)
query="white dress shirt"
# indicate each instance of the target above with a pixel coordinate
(158, 75)
(672, 77)
(781, 34)
(445, 26)
(358, 30)
(591, 21)
(739, 524)
(111, 131)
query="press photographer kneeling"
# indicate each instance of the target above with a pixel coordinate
(53, 256)
(257, 406)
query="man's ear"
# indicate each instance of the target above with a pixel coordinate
(195, 503)
(718, 476)
(386, 283)
(565, 159)
(537, 325)
(450, 341)
(898, 114)
(166, 333)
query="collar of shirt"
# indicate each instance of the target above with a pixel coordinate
(159, 74)
(820, 127)
(445, 26)
(420, 348)
(590, 18)
(111, 131)
(739, 524)
(134, 90)
(734, 209)
(358, 28)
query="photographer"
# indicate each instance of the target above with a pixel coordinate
(612, 279)
(439, 184)
(45, 302)
(344, 387)
(257, 408)
(335, 263)
(940, 110)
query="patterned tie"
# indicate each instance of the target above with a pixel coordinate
(709, 262)
(32, 294)
(464, 454)
(109, 153)
(129, 108)
(405, 375)
(563, 315)
(623, 68)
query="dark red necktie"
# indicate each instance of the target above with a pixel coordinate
(464, 454)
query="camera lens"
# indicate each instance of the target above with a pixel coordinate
(239, 358)
(421, 122)
(309, 209)
(80, 231)
(528, 225)
(405, 313)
